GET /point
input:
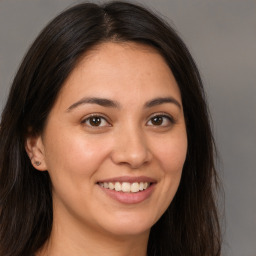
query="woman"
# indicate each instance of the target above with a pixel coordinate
(105, 143)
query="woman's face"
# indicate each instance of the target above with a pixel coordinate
(115, 141)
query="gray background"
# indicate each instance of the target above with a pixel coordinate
(222, 38)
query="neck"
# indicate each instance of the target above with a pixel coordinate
(68, 239)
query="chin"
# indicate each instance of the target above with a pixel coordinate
(130, 225)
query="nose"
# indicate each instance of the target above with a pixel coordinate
(131, 148)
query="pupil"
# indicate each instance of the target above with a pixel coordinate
(157, 120)
(95, 121)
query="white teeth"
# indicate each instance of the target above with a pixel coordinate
(111, 185)
(135, 187)
(118, 186)
(145, 185)
(126, 187)
(141, 186)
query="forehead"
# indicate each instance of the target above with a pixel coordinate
(120, 69)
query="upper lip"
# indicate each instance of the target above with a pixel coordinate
(130, 179)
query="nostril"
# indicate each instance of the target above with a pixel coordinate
(131, 147)
(132, 159)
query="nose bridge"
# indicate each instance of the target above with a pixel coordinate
(131, 146)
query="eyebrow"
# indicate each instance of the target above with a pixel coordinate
(99, 101)
(114, 104)
(159, 101)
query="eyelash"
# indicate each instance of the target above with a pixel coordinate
(101, 118)
(169, 118)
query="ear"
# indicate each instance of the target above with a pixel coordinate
(35, 150)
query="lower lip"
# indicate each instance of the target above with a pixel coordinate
(130, 198)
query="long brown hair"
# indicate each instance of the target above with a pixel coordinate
(190, 225)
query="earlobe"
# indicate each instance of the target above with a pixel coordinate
(35, 150)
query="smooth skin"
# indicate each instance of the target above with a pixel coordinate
(137, 130)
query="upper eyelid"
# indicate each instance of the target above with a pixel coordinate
(170, 119)
(96, 115)
(164, 114)
(84, 121)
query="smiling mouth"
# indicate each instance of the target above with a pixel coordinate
(126, 187)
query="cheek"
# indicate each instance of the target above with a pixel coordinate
(75, 156)
(72, 162)
(171, 153)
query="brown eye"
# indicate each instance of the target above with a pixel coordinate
(157, 120)
(160, 120)
(96, 121)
